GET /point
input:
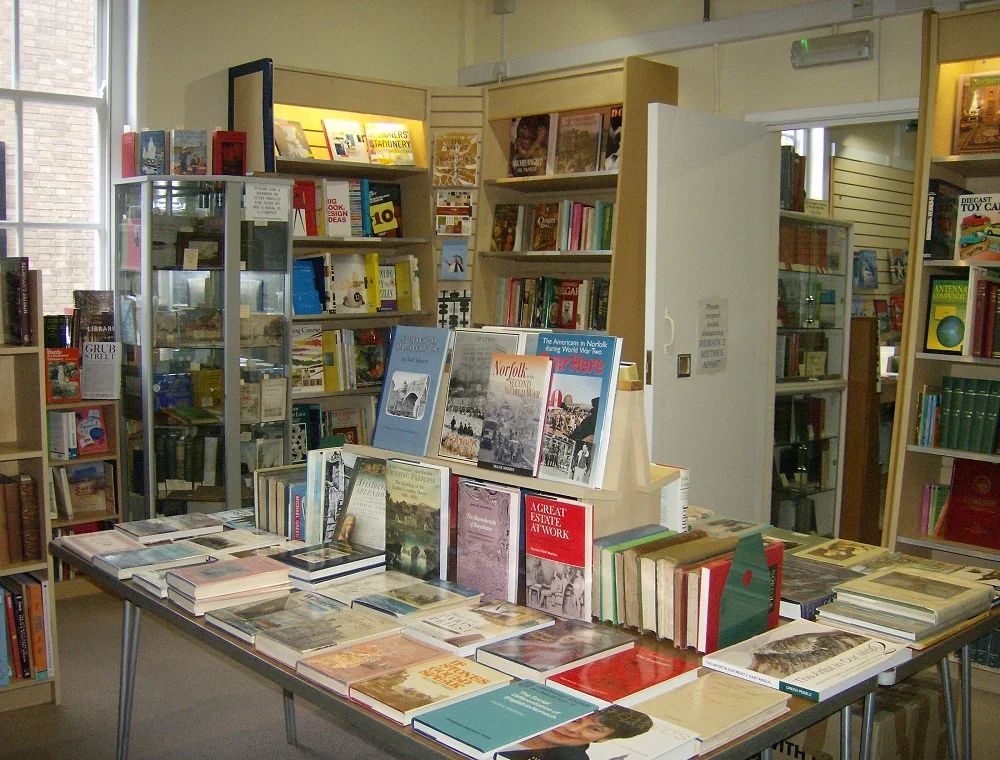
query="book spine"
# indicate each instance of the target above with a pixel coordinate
(12, 519)
(15, 648)
(24, 303)
(35, 618)
(23, 642)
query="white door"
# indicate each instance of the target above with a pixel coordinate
(711, 290)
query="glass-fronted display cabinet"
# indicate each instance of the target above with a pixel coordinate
(814, 296)
(202, 280)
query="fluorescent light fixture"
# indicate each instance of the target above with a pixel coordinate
(837, 48)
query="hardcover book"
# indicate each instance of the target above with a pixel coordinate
(245, 621)
(340, 628)
(362, 519)
(418, 688)
(627, 678)
(976, 121)
(544, 227)
(489, 530)
(578, 142)
(338, 669)
(189, 151)
(89, 545)
(416, 518)
(304, 219)
(345, 141)
(558, 555)
(806, 585)
(418, 598)
(508, 219)
(580, 402)
(463, 630)
(370, 348)
(456, 159)
(91, 433)
(123, 564)
(350, 284)
(545, 652)
(307, 358)
(91, 487)
(613, 139)
(338, 207)
(840, 551)
(153, 152)
(348, 589)
(410, 391)
(973, 515)
(482, 724)
(238, 540)
(808, 659)
(471, 363)
(389, 144)
(290, 139)
(330, 559)
(947, 303)
(231, 576)
(385, 209)
(229, 152)
(978, 232)
(871, 622)
(157, 529)
(62, 374)
(530, 141)
(514, 414)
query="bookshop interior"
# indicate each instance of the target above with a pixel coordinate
(668, 428)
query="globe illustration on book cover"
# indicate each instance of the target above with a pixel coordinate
(950, 331)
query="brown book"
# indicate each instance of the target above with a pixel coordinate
(629, 570)
(12, 498)
(4, 539)
(31, 523)
(34, 608)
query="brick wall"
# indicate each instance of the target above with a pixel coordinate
(60, 142)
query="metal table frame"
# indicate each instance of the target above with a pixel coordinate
(406, 743)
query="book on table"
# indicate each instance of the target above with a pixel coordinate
(558, 552)
(482, 724)
(199, 607)
(289, 644)
(489, 526)
(793, 541)
(417, 518)
(245, 621)
(808, 659)
(807, 585)
(463, 630)
(416, 689)
(346, 590)
(361, 519)
(545, 652)
(329, 560)
(238, 540)
(89, 545)
(153, 581)
(124, 564)
(228, 577)
(871, 622)
(337, 669)
(158, 529)
(420, 597)
(605, 548)
(625, 581)
(844, 553)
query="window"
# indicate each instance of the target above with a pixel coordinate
(53, 117)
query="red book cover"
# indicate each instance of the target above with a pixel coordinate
(611, 679)
(453, 529)
(304, 206)
(559, 539)
(897, 311)
(974, 504)
(991, 310)
(566, 305)
(229, 152)
(130, 154)
(713, 580)
(979, 327)
(576, 225)
(15, 660)
(91, 435)
(62, 374)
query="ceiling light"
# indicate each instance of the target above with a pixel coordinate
(837, 48)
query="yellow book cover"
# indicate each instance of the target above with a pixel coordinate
(372, 282)
(404, 297)
(331, 361)
(389, 143)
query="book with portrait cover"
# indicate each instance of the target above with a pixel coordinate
(389, 143)
(515, 414)
(532, 143)
(362, 517)
(558, 555)
(416, 689)
(808, 659)
(346, 141)
(465, 405)
(410, 389)
(544, 227)
(578, 142)
(245, 621)
(416, 518)
(189, 151)
(463, 630)
(489, 526)
(579, 405)
(545, 652)
(508, 223)
(482, 724)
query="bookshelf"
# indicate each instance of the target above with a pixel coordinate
(633, 83)
(953, 44)
(261, 91)
(24, 451)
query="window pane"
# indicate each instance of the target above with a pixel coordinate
(8, 136)
(66, 258)
(57, 46)
(60, 163)
(6, 42)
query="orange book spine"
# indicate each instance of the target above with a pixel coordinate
(35, 613)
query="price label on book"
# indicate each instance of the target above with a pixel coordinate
(267, 203)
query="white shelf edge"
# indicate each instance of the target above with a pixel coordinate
(954, 453)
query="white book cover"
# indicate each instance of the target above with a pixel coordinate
(350, 283)
(100, 370)
(338, 207)
(89, 545)
(346, 141)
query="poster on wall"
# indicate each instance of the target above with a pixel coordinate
(713, 328)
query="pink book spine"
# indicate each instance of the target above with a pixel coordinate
(925, 511)
(575, 226)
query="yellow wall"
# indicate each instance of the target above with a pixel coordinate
(190, 45)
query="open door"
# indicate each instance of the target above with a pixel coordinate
(711, 290)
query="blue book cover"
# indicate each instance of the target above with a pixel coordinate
(172, 389)
(420, 597)
(297, 510)
(4, 639)
(307, 278)
(481, 724)
(153, 152)
(410, 389)
(579, 407)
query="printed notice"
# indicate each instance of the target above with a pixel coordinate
(267, 203)
(713, 326)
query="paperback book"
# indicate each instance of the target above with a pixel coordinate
(228, 577)
(456, 159)
(347, 590)
(578, 142)
(532, 141)
(157, 529)
(89, 545)
(489, 530)
(462, 631)
(453, 212)
(807, 585)
(389, 144)
(290, 139)
(346, 141)
(362, 519)
(239, 540)
(558, 554)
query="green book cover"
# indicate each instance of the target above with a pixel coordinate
(609, 576)
(947, 399)
(964, 437)
(989, 438)
(979, 406)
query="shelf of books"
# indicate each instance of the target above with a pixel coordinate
(558, 244)
(944, 482)
(28, 631)
(203, 278)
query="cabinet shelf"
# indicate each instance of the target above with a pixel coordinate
(955, 453)
(970, 165)
(324, 168)
(821, 439)
(935, 543)
(81, 402)
(355, 317)
(810, 489)
(563, 257)
(23, 567)
(104, 456)
(602, 180)
(808, 329)
(15, 350)
(958, 359)
(310, 395)
(793, 387)
(13, 452)
(303, 243)
(84, 517)
(807, 269)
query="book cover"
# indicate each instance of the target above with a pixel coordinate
(974, 504)
(245, 621)
(228, 577)
(362, 519)
(62, 374)
(385, 209)
(418, 688)
(484, 723)
(507, 219)
(291, 643)
(453, 212)
(978, 232)
(130, 168)
(189, 151)
(579, 405)
(416, 532)
(91, 487)
(559, 555)
(100, 370)
(123, 564)
(870, 622)
(89, 545)
(329, 559)
(465, 406)
(613, 139)
(338, 207)
(489, 529)
(463, 630)
(290, 139)
(304, 223)
(309, 286)
(370, 348)
(410, 392)
(941, 235)
(976, 118)
(840, 551)
(419, 598)
(514, 414)
(389, 144)
(345, 140)
(153, 152)
(347, 590)
(561, 646)
(626, 675)
(157, 529)
(387, 288)
(578, 142)
(806, 585)
(455, 259)
(91, 433)
(341, 667)
(946, 308)
(350, 284)
(456, 159)
(544, 227)
(530, 139)
(865, 269)
(307, 358)
(229, 152)
(237, 540)
(808, 659)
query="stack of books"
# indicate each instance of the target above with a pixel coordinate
(198, 590)
(314, 565)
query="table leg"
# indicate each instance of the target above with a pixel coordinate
(966, 703)
(867, 722)
(949, 708)
(131, 618)
(289, 700)
(766, 754)
(845, 733)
